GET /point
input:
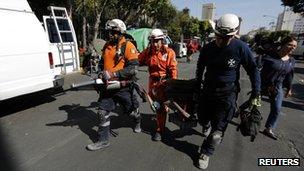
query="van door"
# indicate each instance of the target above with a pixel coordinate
(63, 43)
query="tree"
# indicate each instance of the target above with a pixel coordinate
(184, 25)
(90, 16)
(91, 11)
(296, 5)
(184, 17)
(274, 37)
(194, 27)
(174, 31)
(278, 35)
(205, 29)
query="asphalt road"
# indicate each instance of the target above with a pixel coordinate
(49, 131)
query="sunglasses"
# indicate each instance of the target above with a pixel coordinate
(157, 40)
(113, 32)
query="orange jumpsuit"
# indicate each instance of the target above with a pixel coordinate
(162, 64)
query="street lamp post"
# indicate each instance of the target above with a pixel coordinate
(272, 23)
(270, 16)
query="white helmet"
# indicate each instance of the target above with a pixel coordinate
(116, 24)
(228, 25)
(157, 34)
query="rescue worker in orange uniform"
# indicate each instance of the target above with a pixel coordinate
(120, 62)
(162, 65)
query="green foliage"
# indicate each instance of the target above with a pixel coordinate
(174, 31)
(189, 26)
(194, 27)
(87, 7)
(205, 28)
(279, 35)
(261, 35)
(296, 5)
(155, 13)
(245, 38)
(275, 36)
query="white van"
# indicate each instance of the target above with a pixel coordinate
(26, 59)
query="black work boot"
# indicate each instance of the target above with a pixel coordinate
(137, 119)
(98, 145)
(157, 136)
(203, 161)
(104, 132)
(137, 128)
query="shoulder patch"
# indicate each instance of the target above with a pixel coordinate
(133, 50)
(165, 56)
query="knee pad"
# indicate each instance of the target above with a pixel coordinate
(215, 138)
(104, 117)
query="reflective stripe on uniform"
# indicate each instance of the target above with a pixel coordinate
(106, 124)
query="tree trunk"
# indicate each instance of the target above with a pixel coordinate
(96, 26)
(84, 31)
(97, 21)
(70, 9)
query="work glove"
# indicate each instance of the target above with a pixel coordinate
(254, 101)
(288, 93)
(107, 75)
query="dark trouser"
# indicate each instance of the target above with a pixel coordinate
(125, 97)
(217, 109)
(275, 107)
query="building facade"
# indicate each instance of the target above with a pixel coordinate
(299, 26)
(287, 20)
(208, 11)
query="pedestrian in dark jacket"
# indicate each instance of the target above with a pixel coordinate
(276, 68)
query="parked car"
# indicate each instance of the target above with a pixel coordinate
(180, 49)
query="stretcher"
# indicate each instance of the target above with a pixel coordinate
(180, 95)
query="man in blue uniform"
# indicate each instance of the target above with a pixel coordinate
(222, 59)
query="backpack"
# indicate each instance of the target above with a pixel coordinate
(250, 122)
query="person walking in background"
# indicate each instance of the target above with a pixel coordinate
(275, 69)
(190, 50)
